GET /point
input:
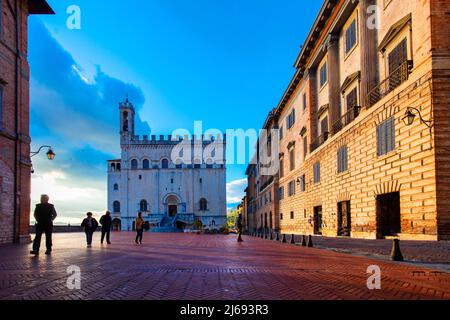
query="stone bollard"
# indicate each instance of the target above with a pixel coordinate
(292, 239)
(310, 243)
(265, 235)
(303, 241)
(396, 254)
(284, 239)
(278, 237)
(271, 236)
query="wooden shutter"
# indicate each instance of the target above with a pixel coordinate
(390, 135)
(380, 139)
(324, 125)
(305, 146)
(398, 55)
(345, 158)
(352, 99)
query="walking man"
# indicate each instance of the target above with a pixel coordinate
(44, 214)
(90, 225)
(106, 222)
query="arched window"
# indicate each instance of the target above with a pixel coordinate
(143, 206)
(113, 167)
(165, 164)
(146, 164)
(116, 187)
(203, 204)
(118, 167)
(134, 164)
(116, 206)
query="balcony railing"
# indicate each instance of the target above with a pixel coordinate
(320, 140)
(396, 78)
(346, 119)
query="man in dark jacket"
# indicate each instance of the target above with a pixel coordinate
(44, 214)
(106, 223)
(89, 225)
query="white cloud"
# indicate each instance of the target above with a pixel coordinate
(71, 200)
(235, 190)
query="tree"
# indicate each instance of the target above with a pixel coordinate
(232, 218)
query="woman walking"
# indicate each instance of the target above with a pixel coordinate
(90, 225)
(139, 228)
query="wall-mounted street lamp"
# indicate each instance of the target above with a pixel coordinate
(410, 116)
(50, 154)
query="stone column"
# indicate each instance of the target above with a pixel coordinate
(369, 54)
(311, 102)
(334, 87)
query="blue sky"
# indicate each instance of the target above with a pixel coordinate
(225, 63)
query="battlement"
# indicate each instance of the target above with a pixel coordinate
(173, 140)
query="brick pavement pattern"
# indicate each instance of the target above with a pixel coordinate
(205, 267)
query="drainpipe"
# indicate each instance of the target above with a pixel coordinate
(16, 225)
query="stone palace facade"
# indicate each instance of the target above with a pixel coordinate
(364, 127)
(176, 182)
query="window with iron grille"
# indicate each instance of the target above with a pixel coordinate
(350, 37)
(386, 136)
(303, 183)
(323, 75)
(291, 188)
(316, 169)
(342, 159)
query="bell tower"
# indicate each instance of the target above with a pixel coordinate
(127, 113)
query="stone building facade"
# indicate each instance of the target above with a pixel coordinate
(366, 121)
(15, 163)
(261, 194)
(174, 181)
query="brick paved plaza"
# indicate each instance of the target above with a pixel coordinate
(206, 267)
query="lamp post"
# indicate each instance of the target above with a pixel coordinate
(50, 154)
(410, 116)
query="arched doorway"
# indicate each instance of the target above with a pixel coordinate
(172, 205)
(116, 224)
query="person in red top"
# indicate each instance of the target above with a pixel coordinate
(139, 223)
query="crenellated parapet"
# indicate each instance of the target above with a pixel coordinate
(174, 140)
